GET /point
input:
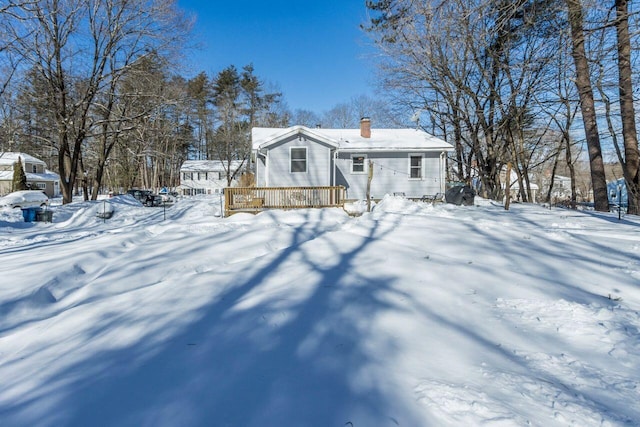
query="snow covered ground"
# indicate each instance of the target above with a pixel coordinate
(411, 315)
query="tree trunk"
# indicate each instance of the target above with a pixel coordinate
(552, 178)
(507, 187)
(587, 106)
(85, 178)
(572, 170)
(627, 111)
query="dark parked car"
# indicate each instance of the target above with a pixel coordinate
(460, 195)
(146, 197)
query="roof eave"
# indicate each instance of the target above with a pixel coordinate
(403, 149)
(292, 132)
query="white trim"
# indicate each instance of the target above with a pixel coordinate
(441, 172)
(333, 156)
(329, 176)
(388, 150)
(266, 168)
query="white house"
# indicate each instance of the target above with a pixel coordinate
(38, 176)
(514, 186)
(407, 161)
(204, 176)
(561, 187)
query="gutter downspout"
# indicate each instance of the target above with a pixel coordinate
(266, 169)
(442, 168)
(265, 155)
(335, 159)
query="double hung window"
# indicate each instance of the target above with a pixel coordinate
(415, 166)
(357, 163)
(298, 162)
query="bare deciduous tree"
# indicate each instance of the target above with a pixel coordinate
(587, 104)
(631, 161)
(78, 47)
(472, 67)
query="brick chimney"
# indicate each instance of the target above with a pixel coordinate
(365, 127)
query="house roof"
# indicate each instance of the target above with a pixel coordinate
(208, 165)
(10, 157)
(350, 139)
(47, 176)
(264, 137)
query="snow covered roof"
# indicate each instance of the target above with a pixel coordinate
(47, 176)
(10, 157)
(208, 165)
(263, 137)
(351, 140)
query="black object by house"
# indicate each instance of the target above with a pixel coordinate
(460, 195)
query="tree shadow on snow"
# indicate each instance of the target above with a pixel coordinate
(253, 357)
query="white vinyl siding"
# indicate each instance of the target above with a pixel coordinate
(390, 175)
(277, 168)
(206, 176)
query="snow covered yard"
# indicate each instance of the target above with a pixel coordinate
(411, 315)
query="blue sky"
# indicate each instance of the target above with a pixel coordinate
(313, 50)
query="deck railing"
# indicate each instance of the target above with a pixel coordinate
(255, 199)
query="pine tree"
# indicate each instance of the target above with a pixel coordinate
(19, 177)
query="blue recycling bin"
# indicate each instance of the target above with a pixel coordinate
(29, 214)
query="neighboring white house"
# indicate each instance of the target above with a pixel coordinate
(561, 188)
(408, 161)
(204, 176)
(514, 187)
(514, 191)
(38, 177)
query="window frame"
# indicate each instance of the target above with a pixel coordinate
(364, 162)
(419, 168)
(305, 160)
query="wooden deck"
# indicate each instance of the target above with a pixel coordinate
(256, 199)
